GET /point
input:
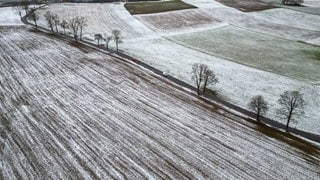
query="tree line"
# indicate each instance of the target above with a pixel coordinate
(75, 25)
(291, 103)
(115, 36)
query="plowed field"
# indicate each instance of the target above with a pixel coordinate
(68, 111)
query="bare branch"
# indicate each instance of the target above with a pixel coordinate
(258, 105)
(116, 37)
(64, 24)
(74, 27)
(50, 21)
(292, 104)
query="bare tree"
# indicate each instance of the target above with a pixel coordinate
(56, 21)
(258, 105)
(18, 10)
(116, 37)
(198, 71)
(98, 37)
(209, 77)
(82, 23)
(292, 104)
(25, 6)
(34, 17)
(64, 24)
(74, 27)
(108, 39)
(50, 21)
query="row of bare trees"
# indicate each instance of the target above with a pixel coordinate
(203, 76)
(291, 102)
(291, 106)
(75, 24)
(116, 37)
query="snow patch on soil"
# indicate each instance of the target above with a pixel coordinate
(204, 3)
(180, 22)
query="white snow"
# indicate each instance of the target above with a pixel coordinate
(278, 27)
(180, 22)
(204, 3)
(8, 17)
(315, 41)
(290, 18)
(311, 3)
(102, 19)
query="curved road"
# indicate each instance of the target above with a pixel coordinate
(265, 120)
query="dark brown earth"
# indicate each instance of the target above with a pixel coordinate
(247, 5)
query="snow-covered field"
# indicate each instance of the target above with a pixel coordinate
(102, 18)
(303, 28)
(280, 16)
(78, 113)
(9, 17)
(183, 21)
(237, 83)
(281, 56)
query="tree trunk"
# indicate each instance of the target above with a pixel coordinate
(64, 31)
(80, 33)
(198, 87)
(117, 46)
(258, 115)
(288, 120)
(57, 29)
(205, 86)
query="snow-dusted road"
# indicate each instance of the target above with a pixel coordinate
(79, 113)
